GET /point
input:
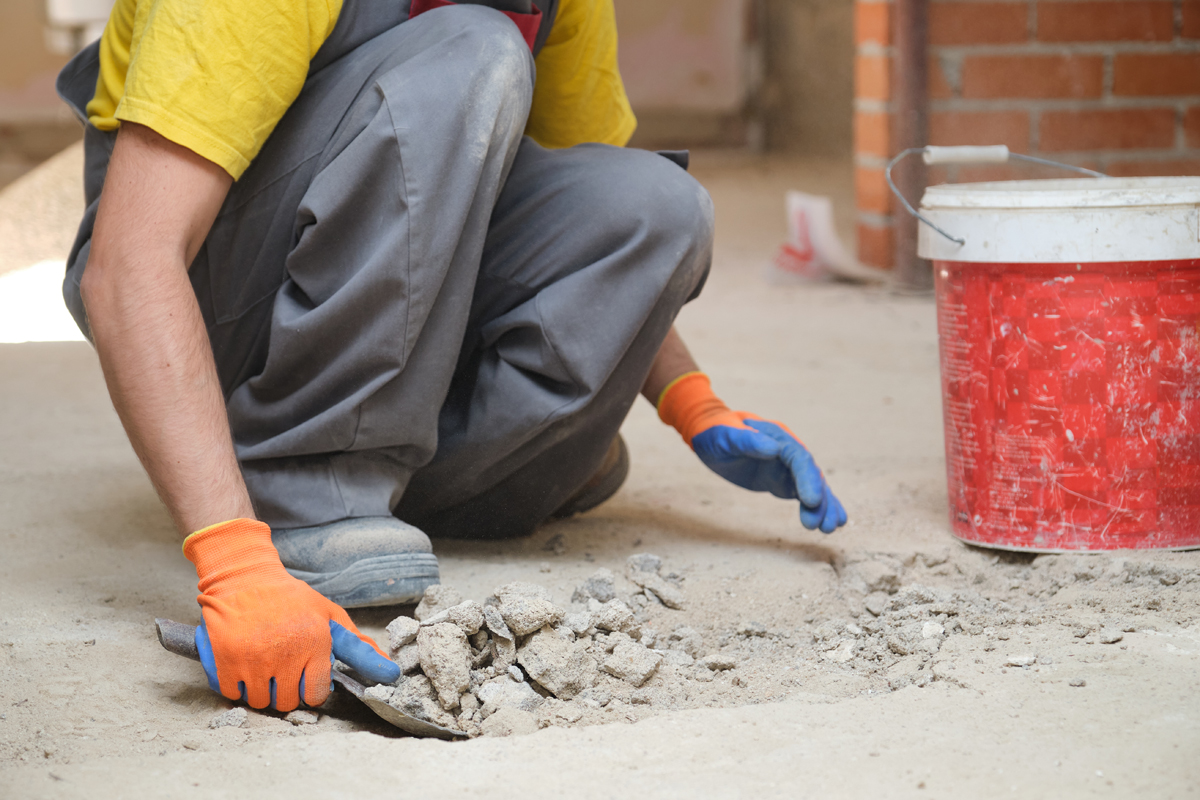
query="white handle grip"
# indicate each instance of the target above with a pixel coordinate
(992, 154)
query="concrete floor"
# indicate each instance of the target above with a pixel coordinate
(91, 707)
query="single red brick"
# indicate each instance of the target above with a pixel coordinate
(1191, 126)
(1106, 21)
(992, 77)
(872, 77)
(939, 87)
(872, 23)
(872, 133)
(875, 246)
(1191, 19)
(1107, 130)
(1136, 169)
(1151, 75)
(871, 191)
(978, 23)
(981, 128)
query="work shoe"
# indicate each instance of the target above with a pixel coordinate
(602, 485)
(369, 561)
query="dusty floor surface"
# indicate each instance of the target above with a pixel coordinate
(885, 660)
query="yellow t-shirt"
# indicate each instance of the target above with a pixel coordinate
(216, 76)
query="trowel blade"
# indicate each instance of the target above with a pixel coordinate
(180, 639)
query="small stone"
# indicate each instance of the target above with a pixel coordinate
(718, 661)
(751, 628)
(495, 623)
(632, 663)
(437, 598)
(510, 722)
(381, 692)
(1078, 682)
(233, 718)
(686, 640)
(515, 673)
(193, 744)
(1110, 636)
(504, 654)
(665, 592)
(402, 631)
(446, 660)
(1023, 660)
(932, 630)
(561, 667)
(467, 704)
(842, 653)
(408, 658)
(640, 563)
(526, 607)
(479, 639)
(876, 603)
(853, 629)
(504, 693)
(579, 623)
(600, 587)
(467, 615)
(703, 675)
(614, 616)
(677, 658)
(302, 717)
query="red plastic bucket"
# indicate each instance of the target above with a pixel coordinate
(1069, 326)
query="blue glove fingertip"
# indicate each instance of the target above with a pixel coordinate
(361, 657)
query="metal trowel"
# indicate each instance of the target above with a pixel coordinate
(180, 639)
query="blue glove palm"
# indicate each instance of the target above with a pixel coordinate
(767, 458)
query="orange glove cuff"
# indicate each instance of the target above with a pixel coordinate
(689, 406)
(233, 556)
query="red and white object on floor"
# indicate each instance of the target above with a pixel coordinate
(1069, 322)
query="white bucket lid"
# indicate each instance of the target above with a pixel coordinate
(1064, 221)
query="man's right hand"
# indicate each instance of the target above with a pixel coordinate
(267, 638)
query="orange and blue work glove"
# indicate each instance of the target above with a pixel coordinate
(267, 638)
(753, 453)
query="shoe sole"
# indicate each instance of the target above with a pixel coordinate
(377, 581)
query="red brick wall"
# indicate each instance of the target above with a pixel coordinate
(1112, 85)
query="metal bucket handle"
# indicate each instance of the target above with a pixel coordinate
(991, 154)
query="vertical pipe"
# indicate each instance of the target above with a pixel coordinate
(911, 81)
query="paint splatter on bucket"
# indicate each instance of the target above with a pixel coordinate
(1069, 325)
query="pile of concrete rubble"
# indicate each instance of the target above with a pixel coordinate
(518, 662)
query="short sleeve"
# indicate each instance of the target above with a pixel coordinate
(215, 76)
(579, 96)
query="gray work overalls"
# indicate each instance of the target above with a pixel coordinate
(414, 309)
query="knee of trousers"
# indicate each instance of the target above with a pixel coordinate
(485, 42)
(652, 197)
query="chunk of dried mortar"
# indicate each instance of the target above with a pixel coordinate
(686, 640)
(526, 607)
(561, 667)
(510, 722)
(415, 697)
(437, 598)
(446, 660)
(601, 587)
(614, 616)
(503, 693)
(402, 631)
(719, 661)
(408, 658)
(467, 615)
(302, 717)
(495, 623)
(641, 563)
(632, 663)
(233, 718)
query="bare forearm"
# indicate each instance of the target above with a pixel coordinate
(158, 204)
(155, 354)
(673, 360)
